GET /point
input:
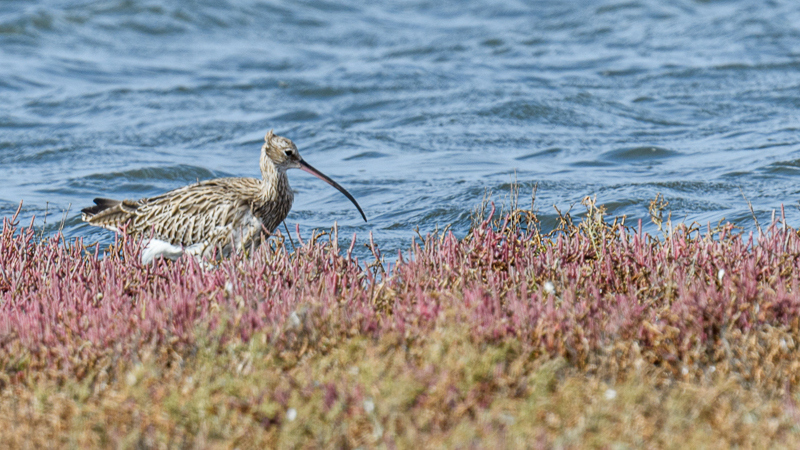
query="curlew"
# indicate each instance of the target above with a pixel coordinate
(215, 216)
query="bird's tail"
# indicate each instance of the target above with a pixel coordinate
(108, 213)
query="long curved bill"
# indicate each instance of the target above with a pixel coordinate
(310, 169)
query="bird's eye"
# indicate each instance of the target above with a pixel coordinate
(288, 152)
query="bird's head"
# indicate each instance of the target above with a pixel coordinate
(283, 154)
(281, 151)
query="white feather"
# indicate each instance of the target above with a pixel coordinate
(157, 248)
(195, 249)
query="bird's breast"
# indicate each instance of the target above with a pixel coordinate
(271, 213)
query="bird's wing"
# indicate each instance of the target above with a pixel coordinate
(212, 212)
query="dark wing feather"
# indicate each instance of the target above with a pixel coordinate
(108, 213)
(100, 204)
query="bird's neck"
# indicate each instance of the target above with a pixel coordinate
(275, 183)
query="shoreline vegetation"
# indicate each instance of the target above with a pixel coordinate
(594, 335)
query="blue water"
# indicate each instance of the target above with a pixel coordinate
(417, 108)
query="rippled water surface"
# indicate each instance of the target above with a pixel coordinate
(416, 107)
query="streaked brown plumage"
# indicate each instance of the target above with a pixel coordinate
(222, 215)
